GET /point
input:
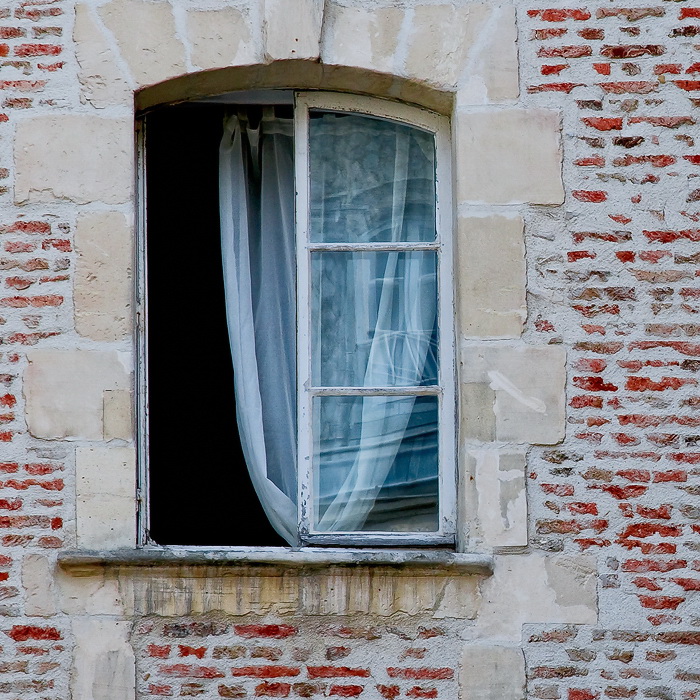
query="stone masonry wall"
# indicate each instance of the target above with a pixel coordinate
(598, 558)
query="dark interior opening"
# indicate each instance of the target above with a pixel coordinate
(199, 489)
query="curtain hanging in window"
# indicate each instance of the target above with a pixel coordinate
(256, 176)
(373, 317)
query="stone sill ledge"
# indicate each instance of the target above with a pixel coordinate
(408, 561)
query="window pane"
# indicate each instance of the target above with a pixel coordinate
(372, 180)
(374, 318)
(376, 463)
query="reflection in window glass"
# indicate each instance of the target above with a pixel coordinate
(372, 180)
(374, 319)
(375, 463)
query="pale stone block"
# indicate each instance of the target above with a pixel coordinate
(491, 73)
(103, 285)
(536, 588)
(362, 37)
(77, 157)
(292, 29)
(477, 418)
(118, 418)
(441, 38)
(37, 581)
(106, 497)
(509, 156)
(491, 277)
(64, 392)
(529, 384)
(492, 673)
(102, 82)
(501, 495)
(94, 594)
(220, 38)
(104, 667)
(145, 32)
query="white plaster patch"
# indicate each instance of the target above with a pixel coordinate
(104, 667)
(64, 392)
(501, 493)
(528, 385)
(536, 588)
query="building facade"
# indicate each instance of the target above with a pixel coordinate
(575, 222)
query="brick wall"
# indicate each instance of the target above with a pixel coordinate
(339, 658)
(615, 276)
(35, 260)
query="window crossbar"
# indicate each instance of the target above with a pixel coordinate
(376, 391)
(388, 246)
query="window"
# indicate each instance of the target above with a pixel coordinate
(334, 217)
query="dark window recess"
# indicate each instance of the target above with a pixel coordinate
(200, 491)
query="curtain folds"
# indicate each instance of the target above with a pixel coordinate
(373, 317)
(256, 179)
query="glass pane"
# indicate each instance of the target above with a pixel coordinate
(372, 180)
(376, 463)
(374, 319)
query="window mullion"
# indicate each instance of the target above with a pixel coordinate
(304, 397)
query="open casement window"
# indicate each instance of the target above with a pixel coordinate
(336, 234)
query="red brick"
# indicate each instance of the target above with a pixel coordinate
(632, 51)
(21, 633)
(660, 602)
(419, 674)
(337, 672)
(590, 195)
(346, 691)
(560, 15)
(635, 87)
(265, 671)
(418, 692)
(265, 631)
(37, 50)
(564, 51)
(647, 565)
(554, 87)
(603, 123)
(189, 671)
(158, 652)
(273, 690)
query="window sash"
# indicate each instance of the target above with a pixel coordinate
(445, 389)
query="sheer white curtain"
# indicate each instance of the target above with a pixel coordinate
(373, 315)
(256, 175)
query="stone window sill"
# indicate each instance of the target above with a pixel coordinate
(408, 561)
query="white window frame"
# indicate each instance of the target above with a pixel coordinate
(445, 389)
